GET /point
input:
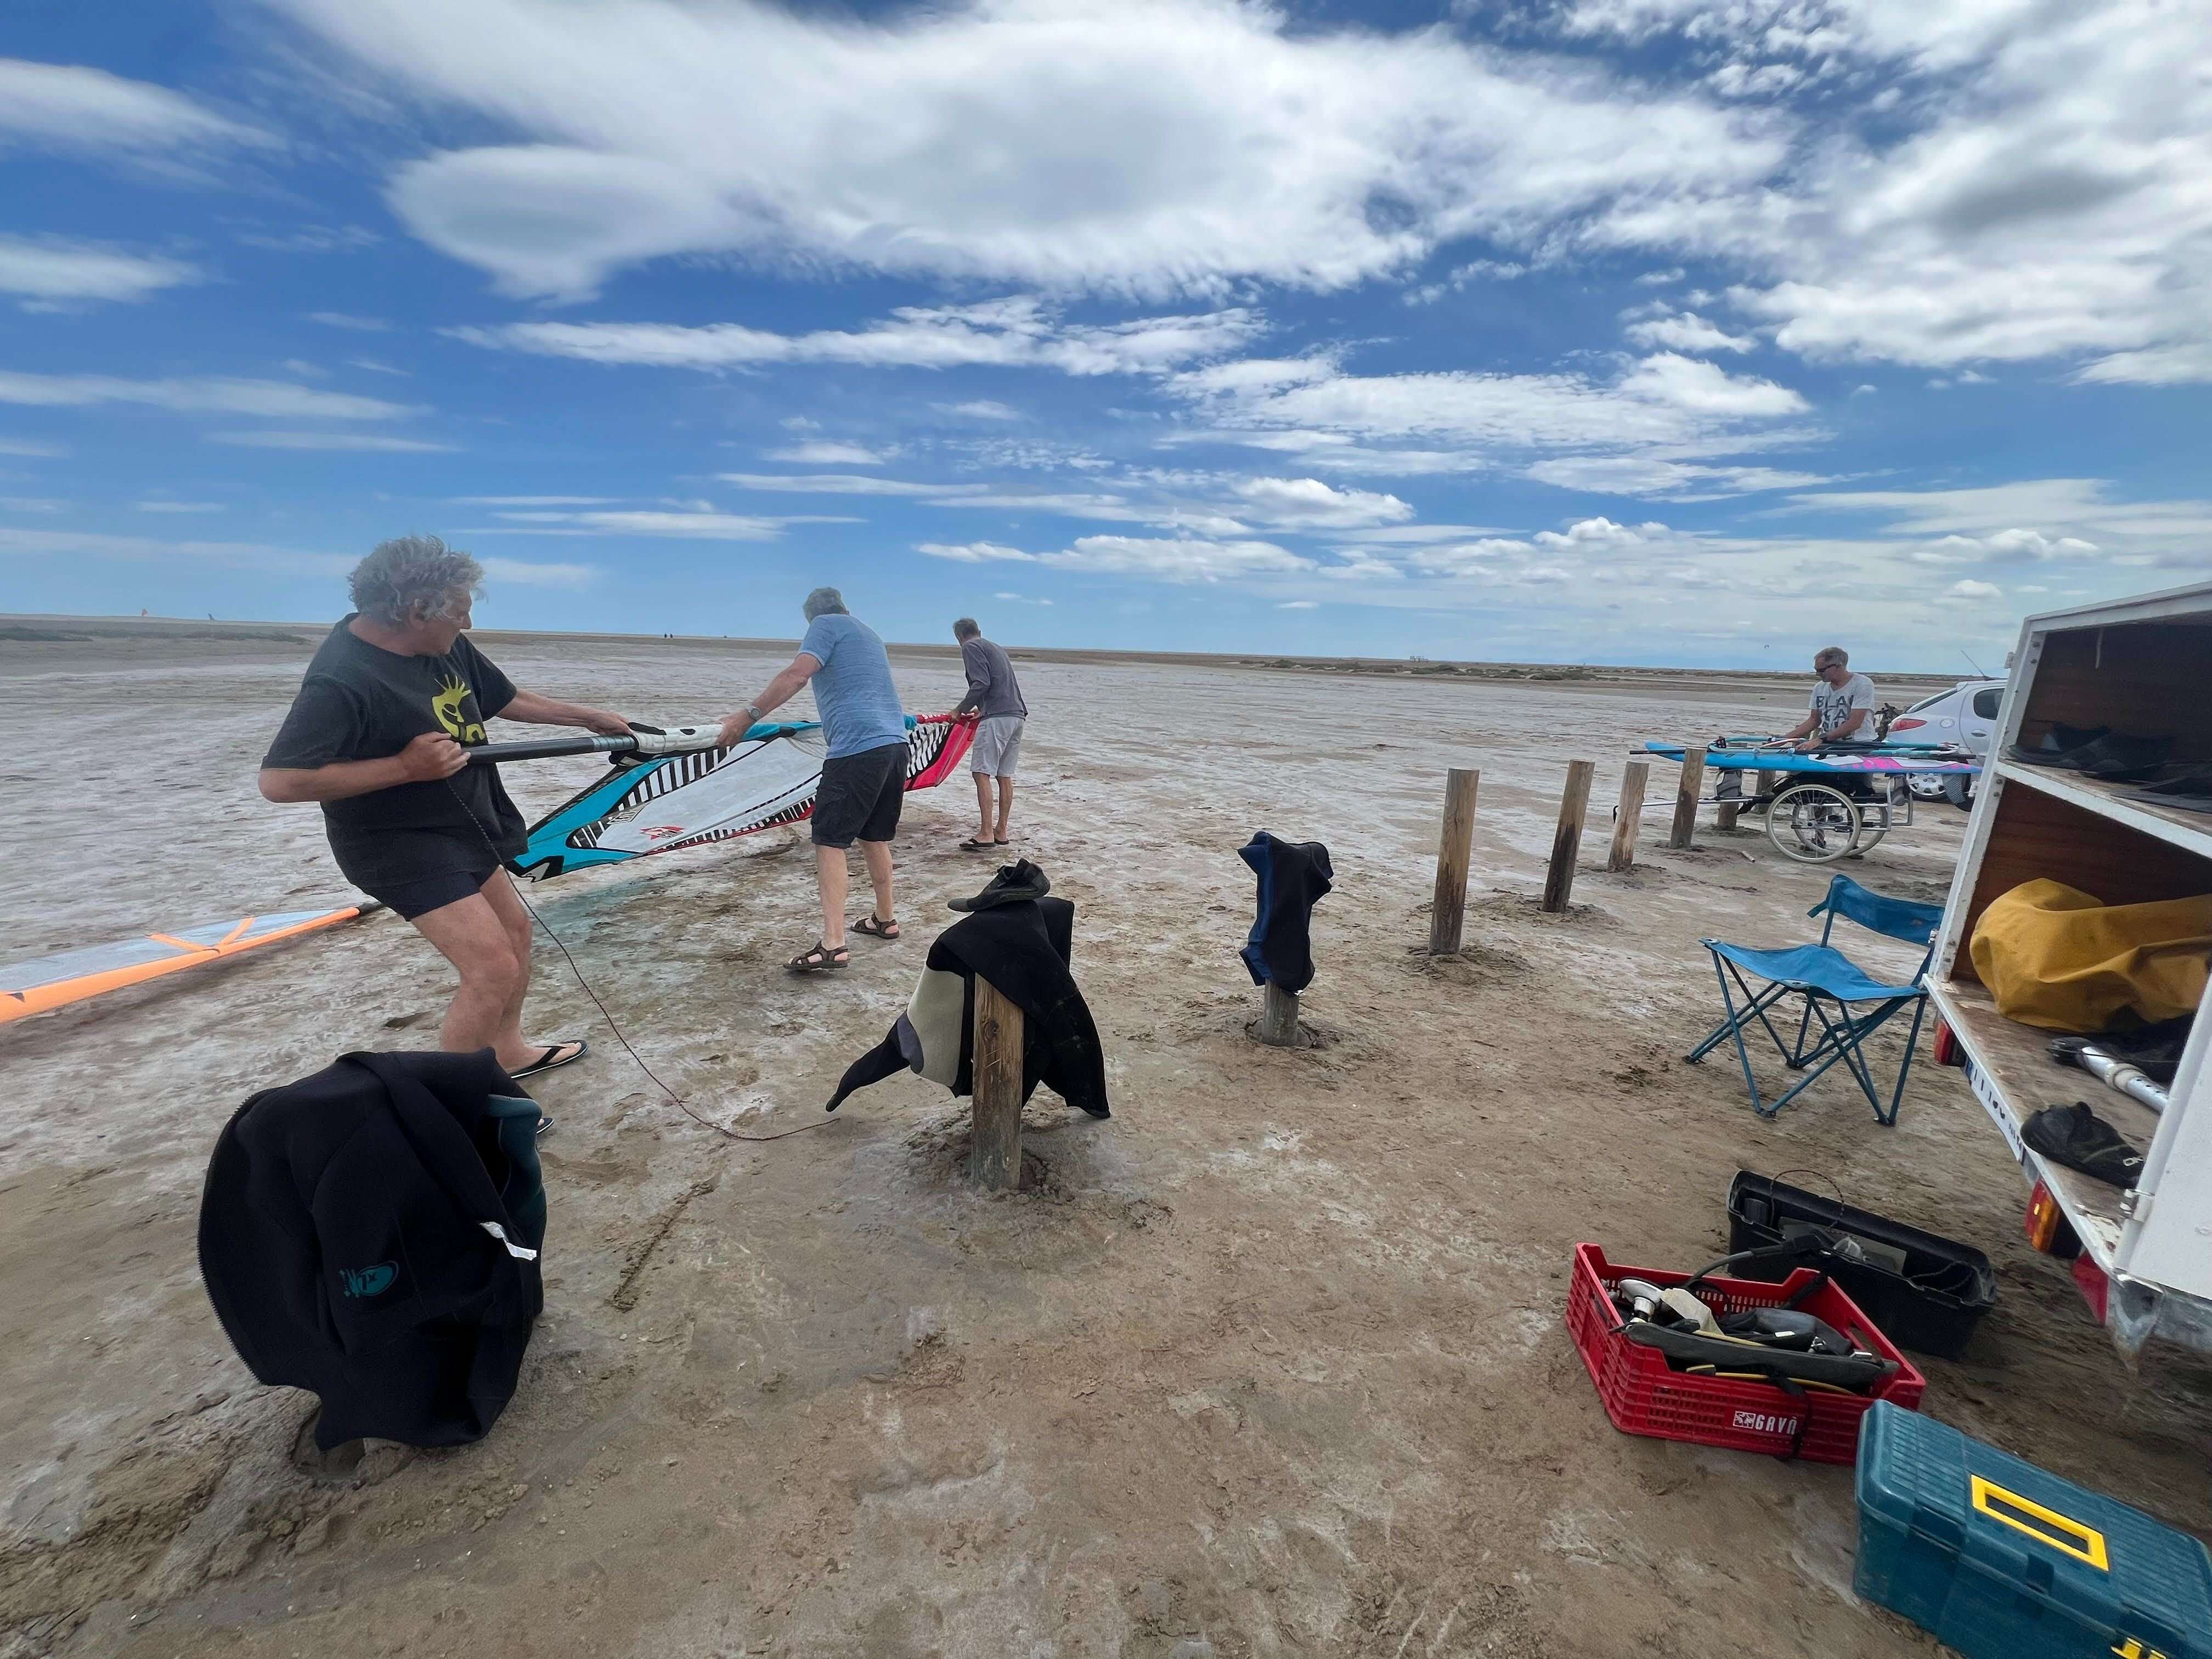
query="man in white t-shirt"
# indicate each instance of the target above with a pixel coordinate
(1843, 705)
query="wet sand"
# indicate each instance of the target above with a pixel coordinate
(1270, 1362)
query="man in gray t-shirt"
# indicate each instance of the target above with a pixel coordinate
(995, 696)
(1842, 711)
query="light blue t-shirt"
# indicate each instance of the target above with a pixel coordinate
(859, 705)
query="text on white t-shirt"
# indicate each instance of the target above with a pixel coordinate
(1832, 705)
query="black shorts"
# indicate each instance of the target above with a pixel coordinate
(418, 897)
(860, 796)
(414, 872)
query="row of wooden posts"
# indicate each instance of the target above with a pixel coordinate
(1448, 916)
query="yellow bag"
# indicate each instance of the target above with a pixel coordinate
(2055, 957)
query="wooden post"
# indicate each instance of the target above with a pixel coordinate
(1278, 1017)
(1630, 818)
(994, 1158)
(1567, 839)
(1686, 797)
(1767, 781)
(1731, 784)
(1449, 913)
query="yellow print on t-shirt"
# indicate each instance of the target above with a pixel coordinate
(446, 706)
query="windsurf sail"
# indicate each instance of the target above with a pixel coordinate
(652, 805)
(55, 981)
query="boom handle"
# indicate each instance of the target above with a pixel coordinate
(642, 740)
(494, 754)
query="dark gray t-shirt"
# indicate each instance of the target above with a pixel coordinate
(360, 701)
(992, 688)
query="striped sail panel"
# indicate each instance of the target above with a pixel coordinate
(715, 795)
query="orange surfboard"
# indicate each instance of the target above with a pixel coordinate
(55, 981)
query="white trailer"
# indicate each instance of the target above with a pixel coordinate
(2140, 665)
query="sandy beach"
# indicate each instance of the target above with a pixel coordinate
(1270, 1362)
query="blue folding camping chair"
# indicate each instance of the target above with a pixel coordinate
(1832, 985)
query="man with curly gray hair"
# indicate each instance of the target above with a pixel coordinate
(377, 735)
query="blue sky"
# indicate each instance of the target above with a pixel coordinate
(1698, 332)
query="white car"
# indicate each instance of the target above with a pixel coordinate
(1966, 714)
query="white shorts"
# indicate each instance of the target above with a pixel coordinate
(998, 746)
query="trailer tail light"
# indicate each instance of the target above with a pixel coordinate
(1947, 1046)
(2047, 1227)
(2092, 1284)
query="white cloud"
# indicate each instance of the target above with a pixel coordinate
(826, 453)
(1703, 388)
(1478, 270)
(242, 555)
(2030, 186)
(976, 553)
(343, 319)
(2038, 519)
(1309, 504)
(313, 238)
(375, 368)
(2184, 362)
(1686, 332)
(982, 409)
(32, 504)
(700, 526)
(1013, 333)
(1340, 421)
(1150, 146)
(1597, 532)
(843, 483)
(201, 395)
(365, 442)
(1358, 566)
(1973, 590)
(181, 506)
(525, 573)
(30, 449)
(1069, 505)
(1299, 605)
(2016, 545)
(534, 500)
(68, 106)
(50, 271)
(1667, 480)
(1179, 559)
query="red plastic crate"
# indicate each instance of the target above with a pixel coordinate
(1643, 1395)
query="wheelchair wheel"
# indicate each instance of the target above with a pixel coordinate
(1817, 823)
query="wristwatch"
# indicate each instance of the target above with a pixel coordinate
(753, 713)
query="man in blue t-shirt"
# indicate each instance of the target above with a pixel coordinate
(863, 779)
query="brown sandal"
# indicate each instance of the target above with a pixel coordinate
(875, 929)
(819, 960)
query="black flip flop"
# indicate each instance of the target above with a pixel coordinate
(821, 959)
(972, 845)
(545, 1062)
(874, 929)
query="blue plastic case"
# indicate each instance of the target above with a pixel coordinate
(2003, 1561)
